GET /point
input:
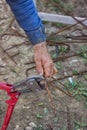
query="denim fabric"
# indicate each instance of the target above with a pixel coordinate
(27, 17)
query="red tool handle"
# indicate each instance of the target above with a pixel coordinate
(7, 117)
(11, 103)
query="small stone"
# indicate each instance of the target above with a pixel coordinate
(2, 64)
(32, 124)
(17, 127)
(28, 128)
(27, 117)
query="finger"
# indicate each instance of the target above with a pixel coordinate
(48, 70)
(39, 67)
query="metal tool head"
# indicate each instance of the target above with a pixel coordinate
(32, 83)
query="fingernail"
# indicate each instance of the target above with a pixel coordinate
(41, 74)
(54, 77)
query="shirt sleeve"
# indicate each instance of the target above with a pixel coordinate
(27, 17)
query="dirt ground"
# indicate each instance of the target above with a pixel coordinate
(71, 111)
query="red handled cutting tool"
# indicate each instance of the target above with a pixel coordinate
(31, 84)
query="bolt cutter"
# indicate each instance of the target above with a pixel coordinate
(30, 84)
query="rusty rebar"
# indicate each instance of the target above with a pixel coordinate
(67, 27)
(59, 58)
(65, 77)
(50, 96)
(17, 45)
(60, 89)
(80, 22)
(8, 54)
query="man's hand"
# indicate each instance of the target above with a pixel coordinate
(44, 63)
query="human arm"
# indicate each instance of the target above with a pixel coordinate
(27, 17)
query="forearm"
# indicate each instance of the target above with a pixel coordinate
(27, 17)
